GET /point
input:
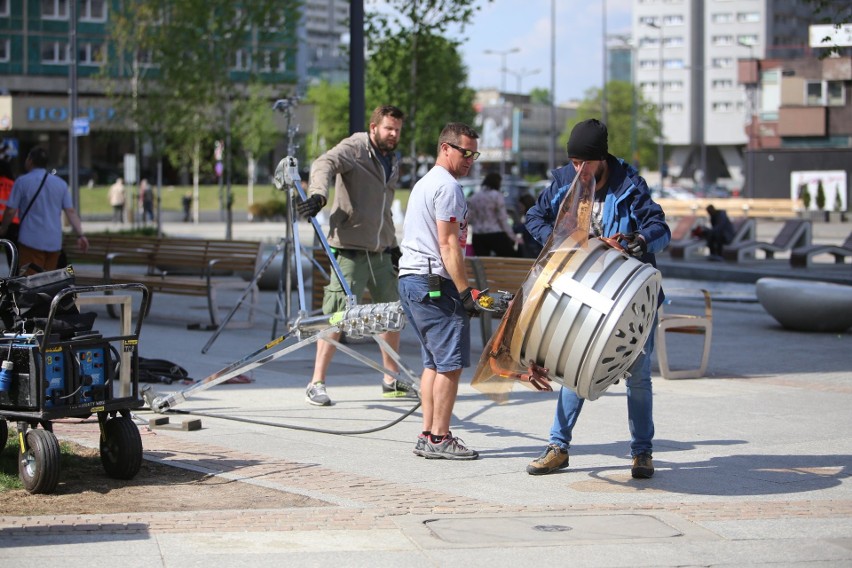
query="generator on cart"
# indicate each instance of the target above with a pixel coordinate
(54, 365)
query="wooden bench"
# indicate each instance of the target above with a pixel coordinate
(497, 273)
(765, 208)
(745, 229)
(182, 266)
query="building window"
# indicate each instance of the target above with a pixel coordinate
(724, 106)
(836, 93)
(722, 62)
(673, 85)
(93, 11)
(5, 54)
(648, 86)
(673, 64)
(673, 20)
(242, 60)
(675, 41)
(748, 17)
(747, 39)
(647, 20)
(721, 84)
(722, 18)
(54, 52)
(825, 93)
(54, 9)
(672, 107)
(91, 53)
(4, 8)
(282, 62)
(722, 40)
(649, 64)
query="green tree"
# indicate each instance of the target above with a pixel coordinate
(838, 199)
(820, 196)
(180, 56)
(331, 116)
(620, 99)
(413, 25)
(805, 196)
(254, 129)
(540, 96)
(441, 96)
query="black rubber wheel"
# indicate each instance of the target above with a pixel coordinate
(121, 448)
(4, 434)
(39, 466)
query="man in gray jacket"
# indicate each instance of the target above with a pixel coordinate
(365, 170)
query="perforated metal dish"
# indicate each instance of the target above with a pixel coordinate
(588, 316)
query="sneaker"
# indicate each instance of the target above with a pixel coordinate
(449, 448)
(420, 446)
(398, 389)
(316, 395)
(553, 458)
(643, 466)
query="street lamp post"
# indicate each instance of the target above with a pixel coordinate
(519, 76)
(661, 139)
(751, 87)
(503, 71)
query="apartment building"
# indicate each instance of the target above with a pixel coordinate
(687, 54)
(35, 68)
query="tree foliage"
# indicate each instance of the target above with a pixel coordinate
(180, 55)
(619, 95)
(331, 112)
(408, 51)
(441, 95)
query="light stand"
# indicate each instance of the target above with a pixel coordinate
(286, 178)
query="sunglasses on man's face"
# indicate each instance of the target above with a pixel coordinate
(466, 154)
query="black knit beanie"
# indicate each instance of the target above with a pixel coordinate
(588, 140)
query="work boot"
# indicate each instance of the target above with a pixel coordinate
(553, 458)
(643, 466)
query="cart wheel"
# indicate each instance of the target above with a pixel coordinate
(121, 448)
(38, 467)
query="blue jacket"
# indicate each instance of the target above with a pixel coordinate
(627, 207)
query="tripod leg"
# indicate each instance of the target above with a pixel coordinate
(250, 288)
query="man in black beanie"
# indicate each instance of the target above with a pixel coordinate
(622, 204)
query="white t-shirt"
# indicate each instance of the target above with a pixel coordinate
(436, 197)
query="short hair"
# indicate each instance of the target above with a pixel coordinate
(453, 132)
(386, 110)
(492, 180)
(38, 156)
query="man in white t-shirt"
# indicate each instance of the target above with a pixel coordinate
(433, 287)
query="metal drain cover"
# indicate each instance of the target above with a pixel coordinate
(482, 531)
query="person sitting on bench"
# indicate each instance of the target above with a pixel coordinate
(720, 232)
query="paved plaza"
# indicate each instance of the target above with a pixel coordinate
(753, 461)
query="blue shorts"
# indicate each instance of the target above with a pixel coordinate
(441, 323)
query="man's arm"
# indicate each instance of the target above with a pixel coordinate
(77, 225)
(451, 253)
(8, 215)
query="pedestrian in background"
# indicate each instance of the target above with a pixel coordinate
(365, 170)
(39, 199)
(433, 288)
(117, 196)
(146, 198)
(622, 204)
(489, 221)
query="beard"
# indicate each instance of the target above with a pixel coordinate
(385, 144)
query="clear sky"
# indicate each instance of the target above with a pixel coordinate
(525, 24)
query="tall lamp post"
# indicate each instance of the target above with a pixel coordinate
(751, 87)
(661, 139)
(503, 71)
